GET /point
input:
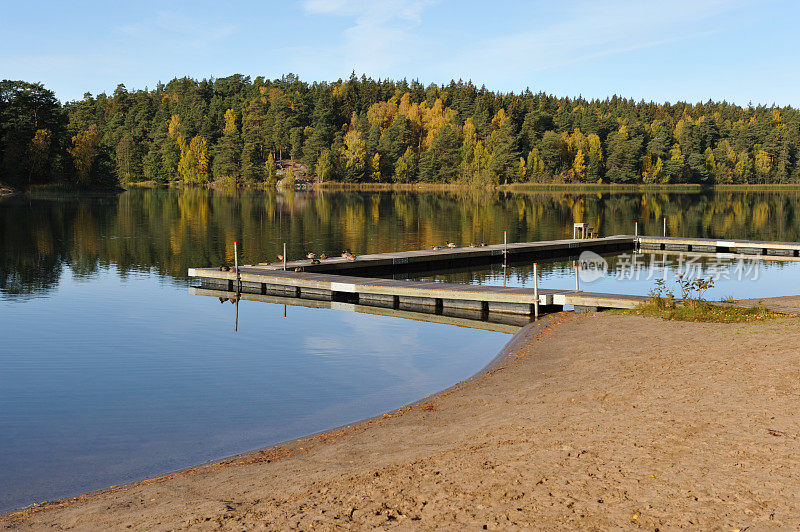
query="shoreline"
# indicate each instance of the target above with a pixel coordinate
(278, 450)
(590, 421)
(56, 190)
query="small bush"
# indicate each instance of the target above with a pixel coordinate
(692, 306)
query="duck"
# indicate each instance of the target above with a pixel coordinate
(345, 253)
(311, 256)
(451, 245)
(298, 269)
(315, 261)
(436, 248)
(280, 257)
(349, 256)
(322, 256)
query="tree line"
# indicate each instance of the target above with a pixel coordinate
(237, 130)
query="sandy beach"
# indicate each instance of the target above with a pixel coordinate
(588, 421)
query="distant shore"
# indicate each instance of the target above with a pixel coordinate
(516, 188)
(586, 421)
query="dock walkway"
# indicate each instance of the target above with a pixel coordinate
(339, 279)
(355, 281)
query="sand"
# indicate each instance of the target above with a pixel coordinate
(592, 421)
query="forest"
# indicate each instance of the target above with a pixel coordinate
(238, 131)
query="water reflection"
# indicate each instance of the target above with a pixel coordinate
(166, 231)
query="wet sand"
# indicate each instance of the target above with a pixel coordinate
(591, 421)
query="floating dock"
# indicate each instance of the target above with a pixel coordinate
(355, 285)
(350, 281)
(459, 257)
(710, 245)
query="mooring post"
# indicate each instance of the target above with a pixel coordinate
(636, 229)
(535, 292)
(505, 256)
(577, 267)
(284, 256)
(665, 226)
(236, 265)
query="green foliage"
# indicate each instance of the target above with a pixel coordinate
(383, 130)
(691, 306)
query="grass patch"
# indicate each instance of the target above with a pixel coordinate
(702, 311)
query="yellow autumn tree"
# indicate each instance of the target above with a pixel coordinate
(193, 166)
(85, 148)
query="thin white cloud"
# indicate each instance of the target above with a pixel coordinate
(181, 29)
(381, 35)
(587, 30)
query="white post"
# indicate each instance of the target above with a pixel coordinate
(577, 267)
(236, 264)
(636, 229)
(284, 256)
(535, 292)
(665, 226)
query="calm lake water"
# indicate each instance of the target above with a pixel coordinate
(111, 372)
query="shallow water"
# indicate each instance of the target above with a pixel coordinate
(110, 371)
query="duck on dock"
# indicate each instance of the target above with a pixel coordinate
(451, 245)
(349, 256)
(315, 261)
(322, 256)
(345, 253)
(436, 248)
(311, 256)
(280, 257)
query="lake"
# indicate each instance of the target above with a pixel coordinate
(111, 372)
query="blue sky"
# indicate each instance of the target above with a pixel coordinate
(693, 50)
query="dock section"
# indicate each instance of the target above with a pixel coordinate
(710, 245)
(430, 259)
(345, 280)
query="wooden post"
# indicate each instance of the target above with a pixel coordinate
(577, 267)
(665, 226)
(505, 257)
(236, 265)
(535, 292)
(284, 256)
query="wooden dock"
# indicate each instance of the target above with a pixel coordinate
(459, 257)
(353, 284)
(710, 245)
(343, 280)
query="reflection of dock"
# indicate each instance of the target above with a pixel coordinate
(345, 281)
(505, 323)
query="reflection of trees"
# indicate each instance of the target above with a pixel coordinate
(169, 230)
